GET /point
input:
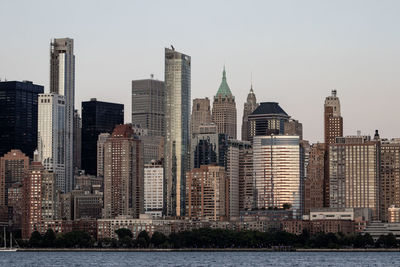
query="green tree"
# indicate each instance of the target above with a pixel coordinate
(49, 238)
(158, 239)
(35, 239)
(143, 239)
(123, 232)
(286, 206)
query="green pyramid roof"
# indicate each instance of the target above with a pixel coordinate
(224, 89)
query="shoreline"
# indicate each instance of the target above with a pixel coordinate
(202, 250)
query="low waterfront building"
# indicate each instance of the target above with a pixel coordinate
(376, 229)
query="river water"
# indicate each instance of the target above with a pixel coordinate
(199, 259)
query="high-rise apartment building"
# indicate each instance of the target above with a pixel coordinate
(389, 177)
(123, 173)
(19, 116)
(62, 82)
(333, 127)
(235, 173)
(153, 189)
(97, 117)
(77, 140)
(51, 137)
(314, 182)
(40, 198)
(177, 131)
(224, 109)
(201, 114)
(333, 121)
(148, 97)
(268, 118)
(100, 153)
(276, 168)
(249, 106)
(13, 166)
(207, 195)
(354, 170)
(246, 183)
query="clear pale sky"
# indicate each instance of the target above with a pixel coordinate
(297, 52)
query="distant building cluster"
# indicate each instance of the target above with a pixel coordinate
(179, 165)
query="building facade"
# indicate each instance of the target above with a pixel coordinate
(148, 97)
(276, 168)
(123, 173)
(51, 137)
(389, 177)
(333, 127)
(153, 189)
(13, 166)
(177, 129)
(354, 170)
(314, 183)
(249, 106)
(224, 109)
(207, 195)
(201, 114)
(77, 140)
(97, 117)
(19, 116)
(39, 198)
(100, 153)
(268, 118)
(62, 82)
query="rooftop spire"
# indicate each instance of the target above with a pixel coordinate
(224, 89)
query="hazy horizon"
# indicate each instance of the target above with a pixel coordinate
(295, 51)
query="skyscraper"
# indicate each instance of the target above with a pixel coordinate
(333, 127)
(249, 106)
(333, 121)
(177, 133)
(100, 153)
(224, 109)
(201, 114)
(62, 82)
(97, 117)
(276, 168)
(148, 105)
(268, 118)
(153, 188)
(389, 177)
(354, 171)
(18, 116)
(123, 173)
(77, 140)
(314, 182)
(51, 136)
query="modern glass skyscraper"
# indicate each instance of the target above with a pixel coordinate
(148, 105)
(18, 116)
(177, 134)
(62, 82)
(276, 163)
(51, 136)
(97, 117)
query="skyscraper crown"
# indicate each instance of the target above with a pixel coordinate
(224, 90)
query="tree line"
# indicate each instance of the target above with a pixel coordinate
(208, 238)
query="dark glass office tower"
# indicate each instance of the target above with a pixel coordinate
(19, 116)
(148, 105)
(97, 117)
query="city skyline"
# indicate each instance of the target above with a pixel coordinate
(296, 53)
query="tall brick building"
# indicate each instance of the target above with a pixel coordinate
(123, 173)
